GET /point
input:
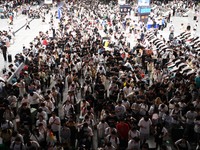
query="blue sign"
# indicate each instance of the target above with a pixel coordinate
(144, 10)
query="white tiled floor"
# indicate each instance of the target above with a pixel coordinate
(22, 37)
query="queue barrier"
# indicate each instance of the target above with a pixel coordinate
(16, 74)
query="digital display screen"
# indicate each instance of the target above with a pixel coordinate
(144, 10)
(125, 8)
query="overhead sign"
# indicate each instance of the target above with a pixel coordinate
(143, 2)
(125, 9)
(121, 2)
(48, 1)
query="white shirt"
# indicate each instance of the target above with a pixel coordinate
(43, 114)
(34, 99)
(55, 123)
(43, 122)
(132, 145)
(133, 134)
(101, 127)
(37, 138)
(15, 146)
(50, 106)
(127, 90)
(66, 108)
(114, 140)
(191, 116)
(144, 126)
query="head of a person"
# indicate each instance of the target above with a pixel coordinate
(184, 138)
(29, 144)
(85, 125)
(136, 139)
(40, 125)
(113, 133)
(40, 110)
(145, 146)
(67, 101)
(109, 144)
(176, 106)
(41, 117)
(146, 118)
(53, 114)
(134, 128)
(24, 105)
(25, 95)
(17, 140)
(31, 93)
(119, 102)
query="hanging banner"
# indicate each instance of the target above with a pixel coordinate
(48, 1)
(59, 13)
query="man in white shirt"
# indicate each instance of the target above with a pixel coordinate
(34, 98)
(144, 124)
(101, 127)
(54, 122)
(17, 144)
(113, 139)
(86, 135)
(120, 109)
(101, 69)
(49, 104)
(134, 144)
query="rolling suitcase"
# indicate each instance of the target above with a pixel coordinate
(9, 58)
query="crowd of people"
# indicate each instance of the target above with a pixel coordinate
(83, 81)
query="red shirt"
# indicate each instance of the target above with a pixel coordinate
(122, 130)
(25, 67)
(44, 42)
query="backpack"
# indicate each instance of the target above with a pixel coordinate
(8, 123)
(14, 146)
(109, 138)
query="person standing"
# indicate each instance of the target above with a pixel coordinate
(123, 130)
(4, 51)
(173, 11)
(27, 24)
(144, 124)
(54, 122)
(183, 144)
(160, 133)
(65, 135)
(169, 17)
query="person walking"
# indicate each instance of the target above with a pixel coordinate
(4, 51)
(27, 24)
